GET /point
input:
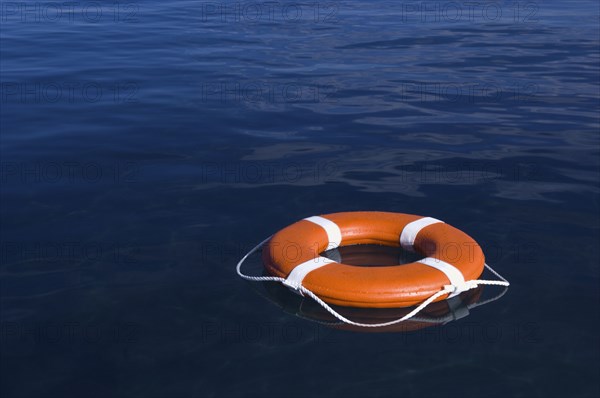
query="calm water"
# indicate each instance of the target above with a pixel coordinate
(147, 145)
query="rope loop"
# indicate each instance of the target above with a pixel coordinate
(446, 289)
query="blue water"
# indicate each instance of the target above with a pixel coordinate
(145, 146)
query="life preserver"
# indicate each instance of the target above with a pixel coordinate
(451, 258)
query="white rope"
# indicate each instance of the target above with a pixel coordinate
(238, 268)
(426, 319)
(506, 284)
(447, 289)
(373, 325)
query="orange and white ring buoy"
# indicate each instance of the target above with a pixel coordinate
(451, 258)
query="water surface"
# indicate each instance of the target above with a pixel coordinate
(146, 146)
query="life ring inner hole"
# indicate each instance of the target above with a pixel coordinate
(372, 255)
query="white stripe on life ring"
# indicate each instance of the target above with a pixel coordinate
(456, 277)
(412, 229)
(334, 234)
(295, 278)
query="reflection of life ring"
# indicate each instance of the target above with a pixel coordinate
(438, 313)
(451, 258)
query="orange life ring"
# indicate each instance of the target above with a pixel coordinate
(451, 258)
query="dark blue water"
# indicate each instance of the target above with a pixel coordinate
(145, 146)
